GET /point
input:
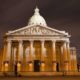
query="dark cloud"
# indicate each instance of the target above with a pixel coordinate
(59, 14)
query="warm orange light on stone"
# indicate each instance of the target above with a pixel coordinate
(54, 66)
(19, 67)
(49, 47)
(42, 66)
(30, 67)
(6, 67)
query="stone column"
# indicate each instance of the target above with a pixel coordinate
(4, 50)
(8, 55)
(65, 55)
(68, 49)
(31, 56)
(65, 51)
(68, 55)
(20, 56)
(54, 55)
(4, 57)
(42, 50)
(31, 50)
(42, 56)
(20, 51)
(74, 59)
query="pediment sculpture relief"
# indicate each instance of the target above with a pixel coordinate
(37, 31)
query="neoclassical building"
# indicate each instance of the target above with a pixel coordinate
(37, 48)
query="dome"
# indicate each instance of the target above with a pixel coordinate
(37, 19)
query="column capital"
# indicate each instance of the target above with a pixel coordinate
(9, 41)
(42, 50)
(53, 41)
(66, 41)
(8, 50)
(42, 43)
(20, 50)
(42, 40)
(31, 40)
(20, 41)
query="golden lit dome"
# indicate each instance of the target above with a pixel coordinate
(37, 19)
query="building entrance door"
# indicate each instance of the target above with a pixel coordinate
(36, 65)
(15, 69)
(57, 67)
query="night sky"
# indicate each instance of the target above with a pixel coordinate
(59, 14)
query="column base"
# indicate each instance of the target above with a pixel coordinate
(6, 66)
(54, 65)
(30, 66)
(66, 66)
(42, 66)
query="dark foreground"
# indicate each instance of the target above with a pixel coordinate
(42, 78)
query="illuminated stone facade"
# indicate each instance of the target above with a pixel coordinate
(37, 48)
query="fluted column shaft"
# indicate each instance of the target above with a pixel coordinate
(42, 56)
(31, 50)
(42, 50)
(31, 56)
(54, 50)
(8, 55)
(8, 50)
(68, 55)
(65, 55)
(20, 51)
(54, 55)
(65, 51)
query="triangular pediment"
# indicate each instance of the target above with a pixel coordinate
(36, 30)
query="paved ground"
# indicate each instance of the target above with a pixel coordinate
(41, 78)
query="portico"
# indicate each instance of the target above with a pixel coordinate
(46, 51)
(36, 48)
